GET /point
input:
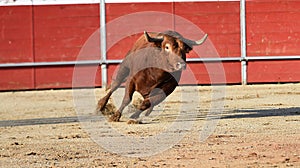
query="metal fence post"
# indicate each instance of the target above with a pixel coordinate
(103, 43)
(243, 41)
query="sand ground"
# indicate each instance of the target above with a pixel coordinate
(247, 126)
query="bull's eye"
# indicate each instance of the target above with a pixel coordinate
(167, 47)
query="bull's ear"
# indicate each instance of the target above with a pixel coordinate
(153, 39)
(188, 49)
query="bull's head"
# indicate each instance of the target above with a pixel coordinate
(174, 46)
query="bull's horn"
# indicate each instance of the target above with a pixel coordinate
(152, 39)
(198, 42)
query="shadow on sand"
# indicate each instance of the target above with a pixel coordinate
(38, 121)
(240, 113)
(255, 113)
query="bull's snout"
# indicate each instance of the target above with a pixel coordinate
(180, 65)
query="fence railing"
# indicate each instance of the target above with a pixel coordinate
(243, 59)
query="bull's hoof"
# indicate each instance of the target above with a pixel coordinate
(100, 106)
(98, 109)
(133, 121)
(115, 118)
(105, 108)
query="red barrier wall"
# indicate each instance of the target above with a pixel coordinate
(16, 45)
(219, 19)
(44, 33)
(60, 31)
(273, 29)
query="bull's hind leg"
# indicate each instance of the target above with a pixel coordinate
(129, 90)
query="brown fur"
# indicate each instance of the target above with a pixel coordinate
(151, 68)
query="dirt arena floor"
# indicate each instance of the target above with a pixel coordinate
(252, 126)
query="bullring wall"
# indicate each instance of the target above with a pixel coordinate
(55, 31)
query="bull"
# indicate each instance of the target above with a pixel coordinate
(153, 68)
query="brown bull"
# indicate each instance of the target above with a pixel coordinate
(153, 68)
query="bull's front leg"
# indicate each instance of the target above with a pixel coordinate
(137, 114)
(103, 101)
(155, 97)
(121, 76)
